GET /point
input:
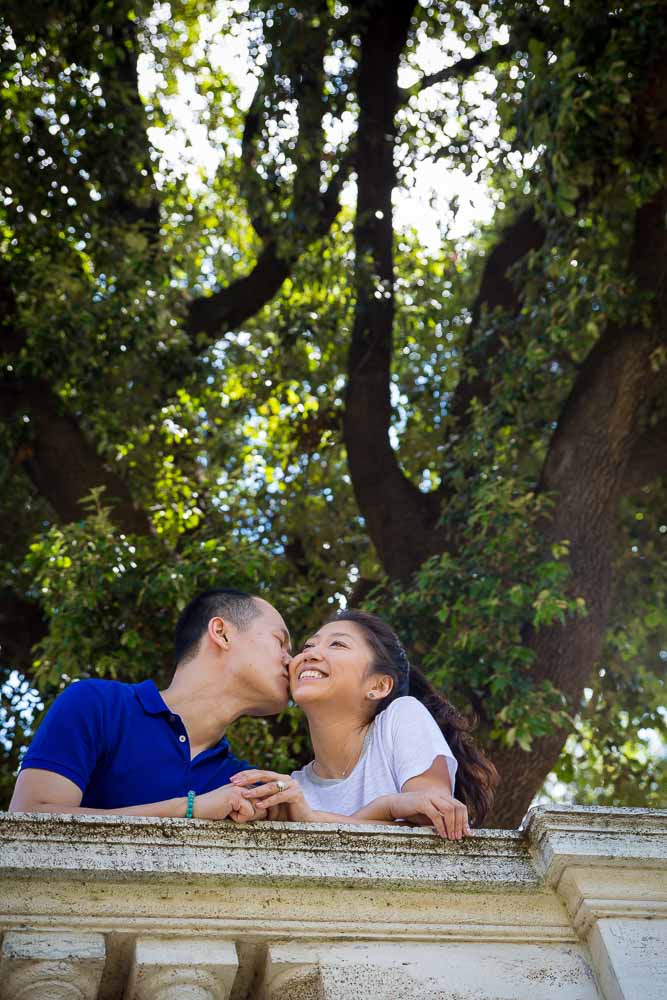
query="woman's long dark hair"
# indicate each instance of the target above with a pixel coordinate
(476, 777)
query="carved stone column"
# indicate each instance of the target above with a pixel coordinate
(182, 969)
(51, 966)
(292, 972)
(610, 869)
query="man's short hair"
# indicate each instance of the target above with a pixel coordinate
(234, 606)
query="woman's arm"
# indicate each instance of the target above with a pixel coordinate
(425, 800)
(263, 789)
(439, 807)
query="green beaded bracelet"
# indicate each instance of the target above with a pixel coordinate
(191, 805)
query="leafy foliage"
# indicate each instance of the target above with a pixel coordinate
(230, 439)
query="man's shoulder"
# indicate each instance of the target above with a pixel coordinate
(96, 691)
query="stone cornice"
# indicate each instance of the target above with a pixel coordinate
(293, 853)
(604, 863)
(589, 835)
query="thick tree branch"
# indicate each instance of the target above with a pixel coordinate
(400, 519)
(496, 291)
(211, 316)
(311, 214)
(60, 461)
(254, 190)
(127, 181)
(462, 69)
(308, 85)
(301, 59)
(648, 461)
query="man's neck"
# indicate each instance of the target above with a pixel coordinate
(337, 742)
(207, 703)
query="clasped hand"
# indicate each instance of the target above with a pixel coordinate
(226, 802)
(279, 795)
(268, 800)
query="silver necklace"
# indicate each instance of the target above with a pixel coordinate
(354, 758)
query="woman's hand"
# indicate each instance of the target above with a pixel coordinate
(443, 811)
(273, 789)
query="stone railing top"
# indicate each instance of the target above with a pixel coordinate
(562, 837)
(275, 852)
(551, 839)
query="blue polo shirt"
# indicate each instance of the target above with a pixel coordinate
(123, 746)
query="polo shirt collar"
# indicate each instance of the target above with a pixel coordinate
(152, 703)
(150, 698)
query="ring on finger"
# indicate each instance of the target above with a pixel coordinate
(281, 786)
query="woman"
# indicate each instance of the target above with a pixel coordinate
(387, 746)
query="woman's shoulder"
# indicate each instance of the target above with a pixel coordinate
(405, 706)
(403, 711)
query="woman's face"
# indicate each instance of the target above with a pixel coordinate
(334, 664)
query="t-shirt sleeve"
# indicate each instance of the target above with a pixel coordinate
(416, 740)
(70, 738)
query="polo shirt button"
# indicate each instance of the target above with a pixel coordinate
(182, 739)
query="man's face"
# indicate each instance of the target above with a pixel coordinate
(263, 656)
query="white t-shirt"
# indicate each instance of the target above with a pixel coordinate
(402, 742)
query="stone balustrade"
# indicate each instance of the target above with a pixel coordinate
(572, 907)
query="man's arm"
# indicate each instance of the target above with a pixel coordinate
(40, 791)
(45, 791)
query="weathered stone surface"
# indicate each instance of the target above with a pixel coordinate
(178, 968)
(354, 855)
(452, 971)
(625, 953)
(201, 910)
(568, 836)
(51, 966)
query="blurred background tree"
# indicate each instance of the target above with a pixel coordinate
(239, 367)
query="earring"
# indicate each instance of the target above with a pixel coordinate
(371, 695)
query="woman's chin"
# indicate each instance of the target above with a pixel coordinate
(307, 692)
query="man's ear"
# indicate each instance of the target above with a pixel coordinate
(218, 633)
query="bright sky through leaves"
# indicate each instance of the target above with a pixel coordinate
(188, 150)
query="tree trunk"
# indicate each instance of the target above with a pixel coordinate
(596, 451)
(401, 521)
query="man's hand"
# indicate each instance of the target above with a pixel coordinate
(227, 802)
(273, 789)
(440, 810)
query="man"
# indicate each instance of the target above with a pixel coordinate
(129, 749)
